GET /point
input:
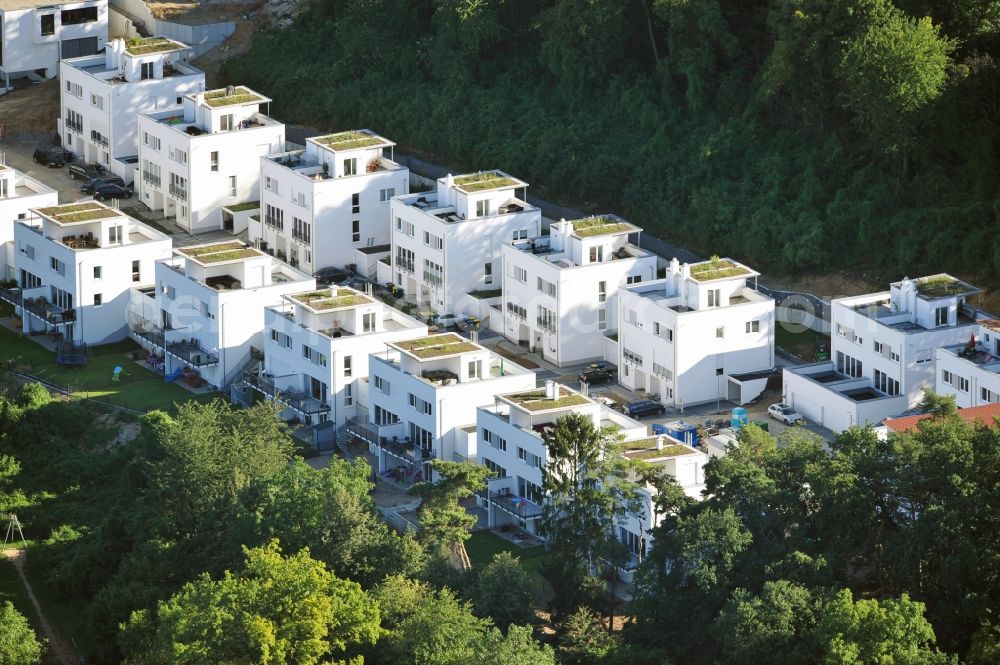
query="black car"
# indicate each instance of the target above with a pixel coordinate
(596, 375)
(110, 190)
(331, 275)
(91, 186)
(86, 171)
(51, 156)
(643, 408)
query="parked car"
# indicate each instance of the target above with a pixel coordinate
(111, 190)
(51, 156)
(443, 321)
(644, 408)
(597, 375)
(358, 282)
(603, 399)
(331, 275)
(86, 172)
(784, 413)
(91, 186)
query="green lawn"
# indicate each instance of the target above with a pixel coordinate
(483, 545)
(138, 388)
(801, 344)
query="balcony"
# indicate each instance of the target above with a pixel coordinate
(512, 504)
(39, 307)
(188, 351)
(179, 193)
(381, 437)
(296, 400)
(75, 126)
(153, 180)
(404, 265)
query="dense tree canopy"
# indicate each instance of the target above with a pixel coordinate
(794, 134)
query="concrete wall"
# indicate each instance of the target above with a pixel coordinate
(201, 38)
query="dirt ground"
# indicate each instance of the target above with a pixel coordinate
(32, 109)
(238, 42)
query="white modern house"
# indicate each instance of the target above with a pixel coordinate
(449, 242)
(204, 155)
(970, 372)
(206, 311)
(700, 334)
(510, 443)
(101, 95)
(316, 348)
(320, 204)
(560, 291)
(422, 401)
(36, 34)
(883, 349)
(18, 195)
(76, 266)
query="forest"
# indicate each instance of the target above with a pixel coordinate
(201, 537)
(795, 135)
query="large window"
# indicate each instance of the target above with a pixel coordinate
(48, 24)
(941, 316)
(274, 217)
(404, 259)
(848, 365)
(886, 384)
(433, 273)
(301, 229)
(351, 166)
(78, 16)
(546, 319)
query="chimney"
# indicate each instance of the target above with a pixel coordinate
(550, 389)
(230, 90)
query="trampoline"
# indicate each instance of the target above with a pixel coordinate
(71, 359)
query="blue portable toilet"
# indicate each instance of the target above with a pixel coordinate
(739, 418)
(683, 432)
(659, 428)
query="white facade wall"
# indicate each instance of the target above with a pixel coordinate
(680, 348)
(459, 241)
(26, 49)
(107, 92)
(18, 194)
(207, 183)
(826, 404)
(94, 324)
(347, 364)
(225, 322)
(452, 406)
(570, 287)
(297, 184)
(972, 381)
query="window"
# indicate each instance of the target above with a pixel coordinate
(597, 253)
(433, 273)
(404, 259)
(274, 217)
(963, 384)
(660, 370)
(421, 437)
(632, 357)
(151, 172)
(848, 365)
(385, 194)
(483, 209)
(74, 120)
(405, 227)
(432, 240)
(669, 334)
(97, 272)
(145, 71)
(602, 319)
(602, 291)
(887, 385)
(78, 16)
(714, 298)
(498, 471)
(270, 184)
(348, 394)
(633, 279)
(301, 230)
(521, 275)
(494, 440)
(368, 322)
(351, 166)
(151, 141)
(178, 187)
(356, 231)
(719, 371)
(548, 288)
(720, 332)
(98, 299)
(988, 395)
(517, 310)
(529, 458)
(48, 24)
(546, 319)
(97, 100)
(753, 327)
(348, 365)
(226, 122)
(355, 204)
(232, 186)
(61, 299)
(382, 385)
(29, 281)
(57, 265)
(420, 405)
(384, 416)
(213, 160)
(488, 273)
(941, 316)
(135, 271)
(281, 338)
(856, 339)
(475, 369)
(520, 234)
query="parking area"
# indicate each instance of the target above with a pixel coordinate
(18, 154)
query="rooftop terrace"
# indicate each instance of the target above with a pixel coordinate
(437, 346)
(535, 400)
(716, 268)
(353, 140)
(220, 252)
(942, 286)
(78, 213)
(325, 300)
(486, 180)
(645, 449)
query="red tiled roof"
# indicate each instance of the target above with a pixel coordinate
(984, 414)
(991, 324)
